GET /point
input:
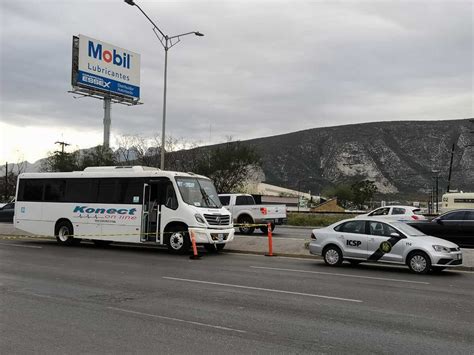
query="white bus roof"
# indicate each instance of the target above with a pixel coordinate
(112, 171)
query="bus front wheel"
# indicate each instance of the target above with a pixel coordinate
(178, 240)
(64, 233)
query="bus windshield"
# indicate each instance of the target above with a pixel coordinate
(198, 192)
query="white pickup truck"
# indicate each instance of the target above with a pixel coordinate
(244, 210)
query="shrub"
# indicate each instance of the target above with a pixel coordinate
(315, 219)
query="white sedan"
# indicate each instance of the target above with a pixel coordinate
(378, 240)
(400, 213)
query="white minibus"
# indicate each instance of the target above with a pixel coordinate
(456, 200)
(131, 204)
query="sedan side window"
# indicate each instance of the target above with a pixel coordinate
(454, 216)
(380, 212)
(469, 216)
(398, 210)
(352, 227)
(381, 229)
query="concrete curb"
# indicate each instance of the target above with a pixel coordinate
(254, 246)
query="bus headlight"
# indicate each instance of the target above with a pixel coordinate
(199, 218)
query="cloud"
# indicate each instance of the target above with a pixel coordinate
(261, 69)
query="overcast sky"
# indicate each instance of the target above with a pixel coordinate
(262, 68)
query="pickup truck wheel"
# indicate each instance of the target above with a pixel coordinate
(246, 229)
(265, 229)
(214, 248)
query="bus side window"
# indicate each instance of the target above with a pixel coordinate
(130, 191)
(170, 196)
(32, 190)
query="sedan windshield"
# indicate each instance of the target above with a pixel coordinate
(408, 230)
(198, 192)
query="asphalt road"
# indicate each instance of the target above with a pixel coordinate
(125, 299)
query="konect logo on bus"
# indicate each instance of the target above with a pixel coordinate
(105, 212)
(96, 51)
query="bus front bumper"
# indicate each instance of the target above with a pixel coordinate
(212, 236)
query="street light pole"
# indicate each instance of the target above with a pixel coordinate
(163, 124)
(167, 42)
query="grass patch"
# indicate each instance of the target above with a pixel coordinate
(316, 219)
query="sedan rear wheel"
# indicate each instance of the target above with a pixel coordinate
(332, 255)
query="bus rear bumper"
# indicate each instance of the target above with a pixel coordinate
(212, 236)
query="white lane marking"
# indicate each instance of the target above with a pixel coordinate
(342, 275)
(178, 320)
(21, 246)
(265, 289)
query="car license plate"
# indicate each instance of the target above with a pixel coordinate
(220, 237)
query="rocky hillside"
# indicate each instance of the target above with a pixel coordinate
(398, 156)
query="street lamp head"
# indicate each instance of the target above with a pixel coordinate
(130, 2)
(196, 33)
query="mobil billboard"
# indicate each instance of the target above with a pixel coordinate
(108, 68)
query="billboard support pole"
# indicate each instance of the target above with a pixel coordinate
(107, 121)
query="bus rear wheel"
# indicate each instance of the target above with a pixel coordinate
(65, 234)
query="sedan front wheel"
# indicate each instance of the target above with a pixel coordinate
(419, 263)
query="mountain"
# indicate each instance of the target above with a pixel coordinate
(399, 156)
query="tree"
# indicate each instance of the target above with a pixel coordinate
(60, 161)
(78, 160)
(343, 193)
(229, 165)
(363, 191)
(97, 156)
(9, 178)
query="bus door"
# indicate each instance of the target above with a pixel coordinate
(151, 210)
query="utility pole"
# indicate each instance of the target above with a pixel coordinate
(436, 189)
(437, 196)
(450, 169)
(6, 181)
(62, 144)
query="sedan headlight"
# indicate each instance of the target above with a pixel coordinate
(440, 248)
(199, 218)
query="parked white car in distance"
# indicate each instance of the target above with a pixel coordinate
(380, 240)
(399, 213)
